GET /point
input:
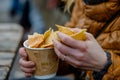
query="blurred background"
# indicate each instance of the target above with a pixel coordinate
(18, 18)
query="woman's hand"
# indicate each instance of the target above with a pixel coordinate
(87, 55)
(28, 67)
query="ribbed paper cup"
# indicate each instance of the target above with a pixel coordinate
(45, 59)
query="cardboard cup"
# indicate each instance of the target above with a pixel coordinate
(45, 59)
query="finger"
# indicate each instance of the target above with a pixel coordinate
(59, 54)
(65, 50)
(22, 52)
(68, 59)
(27, 64)
(62, 48)
(67, 40)
(28, 74)
(90, 36)
(27, 70)
(77, 61)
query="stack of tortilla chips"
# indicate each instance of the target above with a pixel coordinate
(45, 40)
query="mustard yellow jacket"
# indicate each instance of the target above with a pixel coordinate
(94, 17)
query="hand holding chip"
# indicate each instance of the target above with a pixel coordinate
(87, 54)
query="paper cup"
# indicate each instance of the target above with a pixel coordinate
(45, 59)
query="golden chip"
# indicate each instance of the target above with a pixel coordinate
(65, 30)
(47, 46)
(35, 40)
(55, 36)
(47, 33)
(79, 35)
(48, 39)
(76, 35)
(45, 40)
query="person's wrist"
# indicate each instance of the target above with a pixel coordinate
(100, 74)
(104, 61)
(101, 64)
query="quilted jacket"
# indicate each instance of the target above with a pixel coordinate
(93, 18)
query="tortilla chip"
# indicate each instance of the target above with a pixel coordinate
(47, 46)
(47, 33)
(76, 35)
(79, 35)
(48, 39)
(45, 40)
(65, 30)
(35, 40)
(55, 36)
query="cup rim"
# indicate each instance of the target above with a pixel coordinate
(25, 45)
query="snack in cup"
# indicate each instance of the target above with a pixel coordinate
(40, 49)
(45, 59)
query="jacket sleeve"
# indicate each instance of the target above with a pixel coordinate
(110, 41)
(110, 38)
(103, 11)
(114, 70)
